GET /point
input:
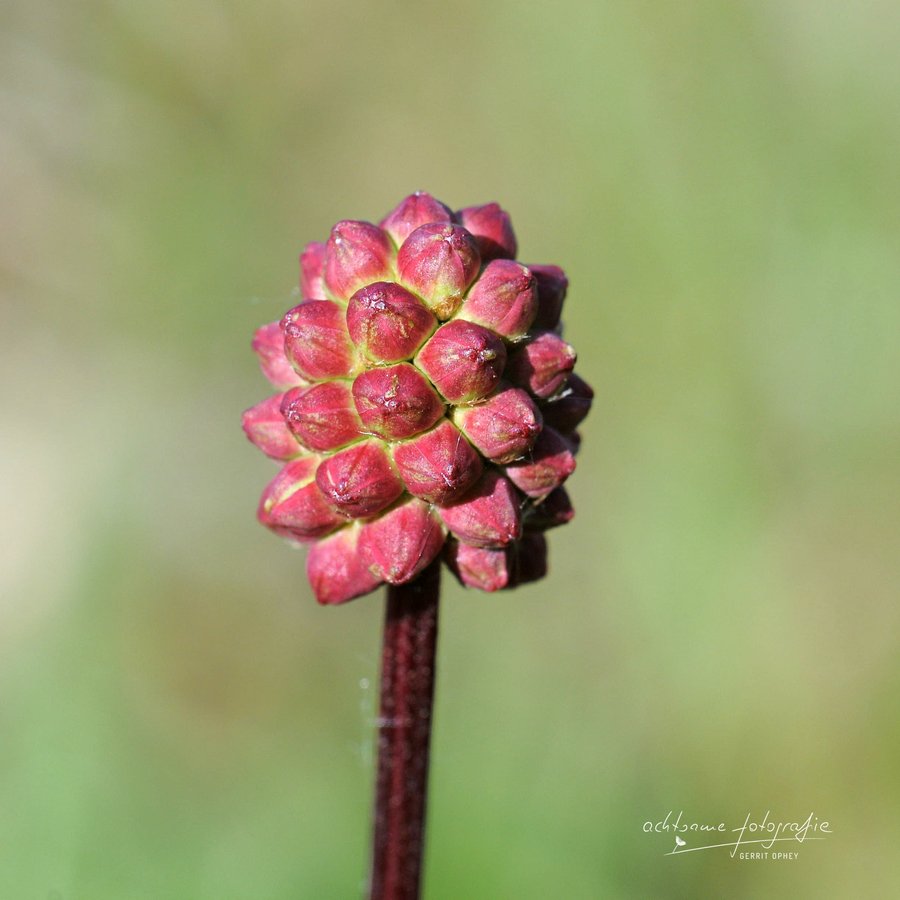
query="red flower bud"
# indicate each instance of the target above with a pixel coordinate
(530, 559)
(402, 542)
(312, 269)
(438, 466)
(357, 253)
(415, 210)
(268, 345)
(555, 509)
(492, 229)
(542, 365)
(567, 411)
(548, 465)
(360, 481)
(323, 417)
(503, 299)
(551, 289)
(316, 340)
(336, 570)
(478, 567)
(439, 262)
(396, 402)
(265, 427)
(463, 360)
(293, 506)
(488, 516)
(503, 427)
(387, 322)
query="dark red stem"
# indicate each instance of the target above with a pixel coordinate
(404, 733)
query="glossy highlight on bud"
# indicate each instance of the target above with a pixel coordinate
(567, 411)
(396, 402)
(464, 361)
(439, 262)
(322, 417)
(388, 323)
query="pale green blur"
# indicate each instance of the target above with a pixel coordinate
(719, 633)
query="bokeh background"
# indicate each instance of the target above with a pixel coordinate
(178, 719)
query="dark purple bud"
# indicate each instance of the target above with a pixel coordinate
(265, 427)
(548, 465)
(463, 360)
(400, 544)
(488, 516)
(293, 506)
(438, 466)
(478, 567)
(316, 340)
(268, 345)
(360, 481)
(529, 559)
(357, 253)
(551, 288)
(555, 509)
(415, 210)
(387, 322)
(336, 570)
(312, 270)
(492, 229)
(503, 299)
(396, 402)
(323, 417)
(439, 262)
(567, 411)
(503, 427)
(542, 365)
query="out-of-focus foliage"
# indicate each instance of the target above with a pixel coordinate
(720, 180)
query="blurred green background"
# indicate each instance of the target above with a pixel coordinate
(178, 719)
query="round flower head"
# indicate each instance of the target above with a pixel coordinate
(427, 404)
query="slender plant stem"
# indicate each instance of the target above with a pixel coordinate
(404, 733)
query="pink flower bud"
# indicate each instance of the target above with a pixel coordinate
(402, 542)
(268, 345)
(415, 210)
(463, 360)
(439, 262)
(542, 365)
(316, 340)
(312, 269)
(492, 229)
(357, 253)
(488, 516)
(265, 427)
(478, 567)
(555, 509)
(503, 299)
(396, 402)
(360, 481)
(530, 562)
(293, 506)
(503, 427)
(567, 411)
(387, 322)
(551, 288)
(335, 569)
(322, 417)
(548, 465)
(438, 466)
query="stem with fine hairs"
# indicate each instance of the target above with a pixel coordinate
(404, 733)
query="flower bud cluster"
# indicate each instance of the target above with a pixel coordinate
(425, 403)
